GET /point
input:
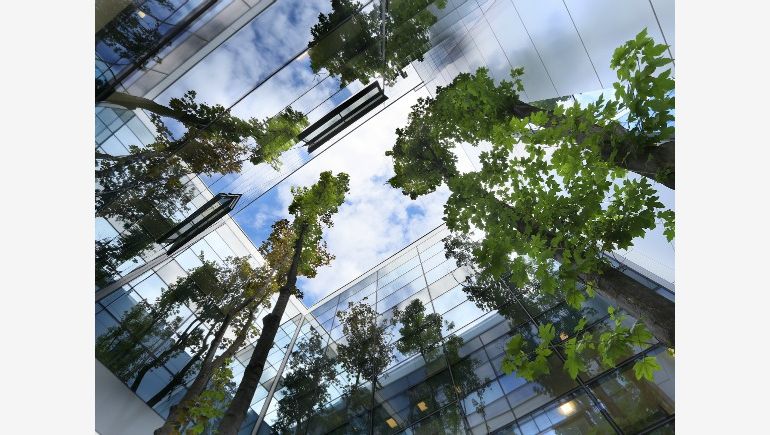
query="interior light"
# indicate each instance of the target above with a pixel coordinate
(567, 408)
(392, 423)
(422, 406)
(141, 14)
(563, 335)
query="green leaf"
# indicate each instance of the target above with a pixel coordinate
(514, 344)
(644, 368)
(581, 324)
(590, 289)
(546, 332)
(573, 366)
(639, 335)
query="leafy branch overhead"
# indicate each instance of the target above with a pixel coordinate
(555, 189)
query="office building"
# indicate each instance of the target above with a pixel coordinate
(260, 48)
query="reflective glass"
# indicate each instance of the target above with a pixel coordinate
(634, 404)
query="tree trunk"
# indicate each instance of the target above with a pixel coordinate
(655, 161)
(651, 308)
(165, 355)
(177, 379)
(132, 102)
(210, 364)
(176, 412)
(236, 412)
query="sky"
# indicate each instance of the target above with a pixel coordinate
(376, 220)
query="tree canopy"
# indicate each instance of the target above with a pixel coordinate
(214, 141)
(347, 41)
(313, 208)
(553, 192)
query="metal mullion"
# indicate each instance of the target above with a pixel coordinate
(581, 384)
(162, 42)
(278, 374)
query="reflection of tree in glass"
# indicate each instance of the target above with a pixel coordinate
(346, 42)
(134, 241)
(134, 32)
(560, 320)
(422, 333)
(631, 402)
(150, 178)
(364, 356)
(306, 386)
(225, 297)
(120, 348)
(367, 351)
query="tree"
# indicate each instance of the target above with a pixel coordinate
(347, 41)
(365, 354)
(226, 297)
(209, 404)
(312, 208)
(559, 201)
(150, 178)
(132, 33)
(422, 333)
(122, 347)
(136, 240)
(313, 370)
(255, 288)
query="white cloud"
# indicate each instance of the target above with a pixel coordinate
(376, 219)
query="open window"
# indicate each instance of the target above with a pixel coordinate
(342, 116)
(204, 217)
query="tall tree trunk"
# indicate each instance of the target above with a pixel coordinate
(132, 102)
(176, 412)
(653, 309)
(654, 161)
(236, 412)
(210, 364)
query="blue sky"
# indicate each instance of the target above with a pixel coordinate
(375, 220)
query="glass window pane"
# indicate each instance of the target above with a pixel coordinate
(634, 404)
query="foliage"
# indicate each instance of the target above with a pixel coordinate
(150, 178)
(420, 332)
(134, 32)
(313, 208)
(136, 240)
(347, 41)
(368, 350)
(306, 387)
(610, 347)
(552, 193)
(214, 290)
(210, 403)
(120, 347)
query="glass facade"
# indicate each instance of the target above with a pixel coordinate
(460, 388)
(450, 381)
